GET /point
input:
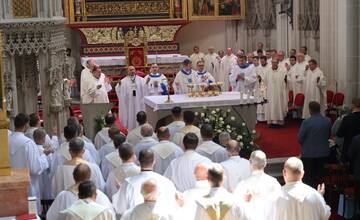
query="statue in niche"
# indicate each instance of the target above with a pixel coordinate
(9, 100)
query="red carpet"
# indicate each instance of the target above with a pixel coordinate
(279, 142)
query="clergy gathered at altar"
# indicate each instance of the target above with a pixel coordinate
(174, 170)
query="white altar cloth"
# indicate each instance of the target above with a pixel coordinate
(151, 58)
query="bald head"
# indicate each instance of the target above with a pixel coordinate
(163, 133)
(300, 57)
(293, 170)
(258, 160)
(200, 172)
(149, 190)
(81, 173)
(228, 51)
(233, 148)
(146, 130)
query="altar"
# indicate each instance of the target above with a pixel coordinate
(242, 107)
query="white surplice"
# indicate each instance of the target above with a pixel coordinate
(263, 188)
(175, 126)
(276, 108)
(118, 175)
(129, 194)
(102, 138)
(260, 71)
(110, 162)
(178, 137)
(300, 201)
(53, 142)
(248, 73)
(307, 58)
(165, 152)
(93, 94)
(182, 79)
(86, 209)
(68, 197)
(216, 153)
(88, 145)
(181, 169)
(134, 136)
(201, 189)
(63, 177)
(144, 143)
(106, 149)
(25, 154)
(219, 202)
(148, 211)
(236, 169)
(131, 94)
(85, 76)
(204, 77)
(157, 84)
(314, 91)
(212, 64)
(45, 180)
(297, 78)
(196, 57)
(226, 65)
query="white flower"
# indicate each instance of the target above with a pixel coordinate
(217, 109)
(243, 124)
(241, 144)
(232, 118)
(252, 143)
(213, 112)
(240, 136)
(221, 119)
(196, 113)
(228, 110)
(202, 115)
(229, 130)
(228, 126)
(253, 131)
(207, 120)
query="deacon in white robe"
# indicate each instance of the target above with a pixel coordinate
(102, 137)
(68, 197)
(147, 141)
(156, 82)
(130, 91)
(96, 88)
(219, 202)
(25, 154)
(178, 170)
(184, 77)
(297, 75)
(275, 80)
(86, 207)
(127, 168)
(189, 117)
(226, 65)
(149, 209)
(85, 76)
(215, 152)
(259, 187)
(260, 72)
(178, 122)
(165, 151)
(63, 178)
(109, 147)
(129, 194)
(242, 77)
(203, 76)
(197, 56)
(315, 88)
(236, 169)
(300, 201)
(212, 63)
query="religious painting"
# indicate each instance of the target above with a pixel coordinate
(231, 9)
(202, 9)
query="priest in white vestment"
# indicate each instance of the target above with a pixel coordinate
(66, 198)
(304, 50)
(197, 56)
(96, 88)
(275, 79)
(129, 194)
(111, 159)
(299, 201)
(156, 82)
(184, 77)
(283, 63)
(259, 46)
(86, 207)
(130, 92)
(203, 76)
(260, 72)
(63, 178)
(219, 203)
(242, 77)
(208, 148)
(126, 168)
(24, 153)
(178, 123)
(226, 65)
(236, 169)
(297, 75)
(189, 118)
(147, 141)
(149, 210)
(102, 137)
(315, 88)
(86, 74)
(260, 187)
(88, 144)
(109, 147)
(178, 170)
(165, 151)
(134, 135)
(212, 63)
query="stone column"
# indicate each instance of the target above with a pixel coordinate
(281, 30)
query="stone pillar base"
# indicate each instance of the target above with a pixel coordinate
(14, 193)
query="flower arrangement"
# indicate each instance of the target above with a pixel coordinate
(222, 120)
(99, 123)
